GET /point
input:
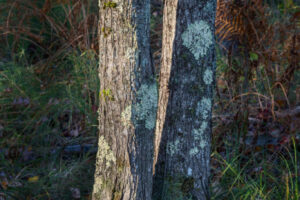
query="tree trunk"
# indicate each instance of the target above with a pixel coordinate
(128, 102)
(183, 130)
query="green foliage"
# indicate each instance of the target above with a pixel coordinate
(253, 56)
(256, 176)
(107, 94)
(39, 115)
(106, 31)
(257, 80)
(109, 4)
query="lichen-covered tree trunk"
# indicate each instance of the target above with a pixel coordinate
(128, 102)
(183, 130)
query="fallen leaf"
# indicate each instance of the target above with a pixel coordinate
(4, 184)
(258, 149)
(33, 179)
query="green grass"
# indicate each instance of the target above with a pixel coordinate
(261, 180)
(255, 173)
(41, 112)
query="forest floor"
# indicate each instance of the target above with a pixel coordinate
(48, 119)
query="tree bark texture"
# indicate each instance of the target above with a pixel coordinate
(128, 102)
(183, 130)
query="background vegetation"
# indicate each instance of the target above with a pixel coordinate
(49, 95)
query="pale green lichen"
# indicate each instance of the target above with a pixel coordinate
(208, 7)
(208, 77)
(120, 5)
(105, 158)
(203, 144)
(198, 38)
(147, 106)
(190, 171)
(126, 116)
(194, 151)
(97, 187)
(105, 154)
(100, 185)
(198, 133)
(204, 108)
(173, 147)
(131, 55)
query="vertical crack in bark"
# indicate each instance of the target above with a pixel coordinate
(165, 72)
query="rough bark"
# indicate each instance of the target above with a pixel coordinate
(183, 131)
(128, 102)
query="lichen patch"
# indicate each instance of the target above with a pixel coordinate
(208, 7)
(97, 187)
(146, 108)
(204, 108)
(203, 144)
(194, 151)
(105, 154)
(126, 116)
(131, 55)
(173, 147)
(190, 171)
(105, 158)
(199, 133)
(198, 38)
(208, 77)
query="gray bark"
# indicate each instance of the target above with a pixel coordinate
(183, 130)
(128, 102)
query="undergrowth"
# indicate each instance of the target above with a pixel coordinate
(40, 115)
(260, 172)
(49, 93)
